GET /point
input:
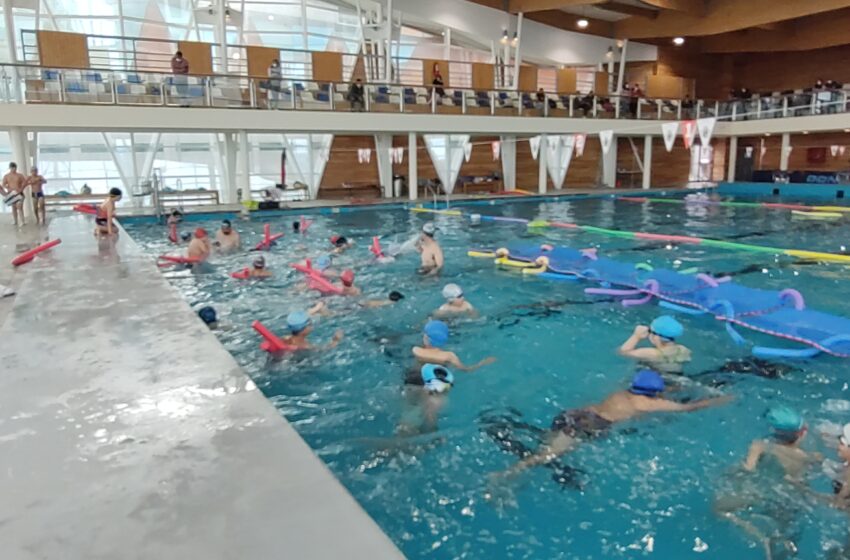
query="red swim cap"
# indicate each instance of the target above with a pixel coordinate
(200, 232)
(334, 239)
(347, 277)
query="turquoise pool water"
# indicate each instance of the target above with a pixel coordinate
(647, 489)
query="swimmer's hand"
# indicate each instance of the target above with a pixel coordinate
(486, 362)
(337, 337)
(641, 331)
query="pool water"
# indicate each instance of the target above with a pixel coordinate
(646, 490)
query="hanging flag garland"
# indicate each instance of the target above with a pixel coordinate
(689, 131)
(534, 145)
(706, 129)
(579, 144)
(606, 138)
(497, 149)
(669, 130)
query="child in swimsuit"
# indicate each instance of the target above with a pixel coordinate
(105, 214)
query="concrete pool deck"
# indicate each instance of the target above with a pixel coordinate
(128, 432)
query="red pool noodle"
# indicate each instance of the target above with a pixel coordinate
(305, 224)
(323, 285)
(272, 343)
(29, 255)
(176, 259)
(243, 274)
(671, 238)
(86, 209)
(268, 238)
(376, 247)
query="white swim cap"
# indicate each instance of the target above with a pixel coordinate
(844, 438)
(452, 291)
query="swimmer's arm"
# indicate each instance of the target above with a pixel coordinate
(110, 212)
(455, 361)
(334, 341)
(757, 449)
(664, 405)
(629, 347)
(557, 446)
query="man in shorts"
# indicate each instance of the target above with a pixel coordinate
(36, 182)
(13, 187)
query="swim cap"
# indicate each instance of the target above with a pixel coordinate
(114, 191)
(200, 233)
(226, 223)
(667, 327)
(429, 229)
(322, 262)
(396, 296)
(844, 438)
(260, 262)
(297, 321)
(347, 277)
(176, 212)
(647, 382)
(207, 315)
(437, 333)
(436, 378)
(338, 241)
(185, 236)
(784, 419)
(452, 291)
(296, 226)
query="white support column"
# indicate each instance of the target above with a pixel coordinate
(609, 165)
(222, 34)
(732, 158)
(150, 156)
(647, 161)
(517, 56)
(541, 160)
(447, 43)
(229, 179)
(622, 70)
(119, 165)
(21, 156)
(508, 144)
(785, 152)
(389, 52)
(412, 169)
(383, 143)
(244, 164)
(11, 43)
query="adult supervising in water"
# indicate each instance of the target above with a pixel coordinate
(664, 354)
(571, 427)
(300, 324)
(430, 251)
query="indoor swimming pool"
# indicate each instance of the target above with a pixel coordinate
(649, 488)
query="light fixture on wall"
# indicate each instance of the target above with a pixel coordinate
(610, 53)
(515, 40)
(504, 40)
(271, 17)
(678, 41)
(227, 14)
(582, 23)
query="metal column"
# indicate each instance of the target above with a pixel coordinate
(412, 170)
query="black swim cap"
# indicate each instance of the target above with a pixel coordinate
(396, 296)
(115, 191)
(296, 226)
(175, 212)
(226, 223)
(340, 241)
(208, 315)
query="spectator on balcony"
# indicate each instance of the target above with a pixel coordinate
(356, 95)
(539, 99)
(180, 69)
(274, 83)
(687, 107)
(438, 84)
(586, 103)
(635, 93)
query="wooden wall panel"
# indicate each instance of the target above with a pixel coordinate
(327, 66)
(565, 81)
(585, 171)
(527, 78)
(481, 162)
(199, 56)
(343, 167)
(259, 60)
(600, 83)
(798, 158)
(483, 76)
(62, 50)
(428, 67)
(672, 87)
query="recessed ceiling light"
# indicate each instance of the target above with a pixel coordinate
(767, 134)
(805, 132)
(847, 130)
(235, 56)
(582, 23)
(678, 41)
(271, 17)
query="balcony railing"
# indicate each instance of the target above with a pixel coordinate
(40, 85)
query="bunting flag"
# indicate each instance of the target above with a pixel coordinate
(748, 152)
(606, 137)
(467, 151)
(706, 129)
(833, 150)
(534, 144)
(669, 130)
(497, 149)
(841, 150)
(397, 155)
(689, 131)
(579, 144)
(364, 155)
(569, 140)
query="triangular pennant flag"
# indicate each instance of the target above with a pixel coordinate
(569, 141)
(359, 155)
(534, 144)
(833, 150)
(606, 137)
(400, 155)
(689, 131)
(706, 129)
(841, 150)
(748, 152)
(497, 149)
(579, 144)
(669, 130)
(467, 151)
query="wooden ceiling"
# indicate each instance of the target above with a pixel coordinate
(710, 26)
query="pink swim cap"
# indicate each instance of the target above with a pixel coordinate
(347, 277)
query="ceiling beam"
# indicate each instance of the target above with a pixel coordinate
(567, 22)
(526, 6)
(723, 16)
(628, 9)
(814, 32)
(693, 7)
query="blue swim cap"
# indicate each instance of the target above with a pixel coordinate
(186, 235)
(207, 315)
(436, 378)
(784, 419)
(667, 327)
(322, 262)
(437, 333)
(647, 382)
(297, 321)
